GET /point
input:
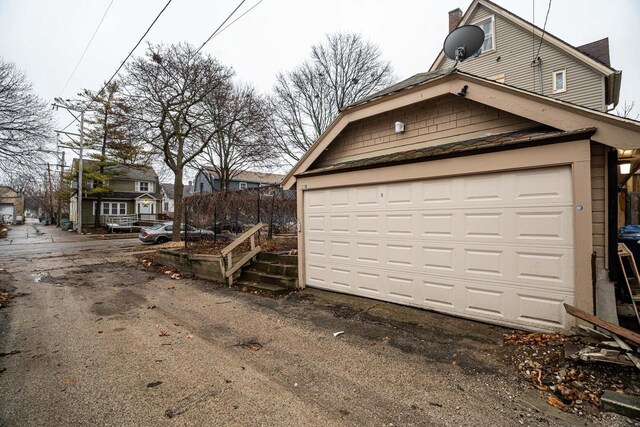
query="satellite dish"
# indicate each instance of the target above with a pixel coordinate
(463, 42)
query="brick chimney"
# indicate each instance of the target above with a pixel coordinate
(454, 18)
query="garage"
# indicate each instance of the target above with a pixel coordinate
(490, 204)
(7, 213)
(495, 247)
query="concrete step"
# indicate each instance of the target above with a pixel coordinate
(268, 256)
(275, 268)
(261, 277)
(264, 287)
(278, 257)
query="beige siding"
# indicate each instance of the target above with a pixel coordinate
(598, 202)
(513, 55)
(429, 123)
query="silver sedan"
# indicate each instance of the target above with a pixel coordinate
(161, 233)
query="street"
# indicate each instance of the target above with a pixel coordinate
(92, 338)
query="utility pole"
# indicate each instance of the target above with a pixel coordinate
(59, 104)
(62, 165)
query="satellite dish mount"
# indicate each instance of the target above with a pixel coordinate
(463, 42)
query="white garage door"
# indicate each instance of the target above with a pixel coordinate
(496, 247)
(6, 213)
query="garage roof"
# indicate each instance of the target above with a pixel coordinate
(517, 139)
(617, 132)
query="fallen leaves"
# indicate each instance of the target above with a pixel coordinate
(538, 338)
(5, 297)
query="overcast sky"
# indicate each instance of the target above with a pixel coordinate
(45, 38)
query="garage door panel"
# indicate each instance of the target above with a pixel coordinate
(541, 311)
(368, 224)
(398, 195)
(438, 259)
(485, 302)
(437, 225)
(400, 255)
(543, 186)
(497, 247)
(485, 226)
(551, 226)
(437, 192)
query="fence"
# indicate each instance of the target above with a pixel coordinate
(236, 211)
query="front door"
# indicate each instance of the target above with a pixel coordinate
(146, 210)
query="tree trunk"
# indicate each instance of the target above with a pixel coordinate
(177, 205)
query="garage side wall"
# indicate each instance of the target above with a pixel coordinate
(434, 122)
(598, 202)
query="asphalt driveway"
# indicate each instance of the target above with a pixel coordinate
(94, 339)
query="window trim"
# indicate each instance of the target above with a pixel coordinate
(110, 205)
(150, 187)
(564, 80)
(493, 33)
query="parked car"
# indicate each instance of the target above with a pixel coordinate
(161, 233)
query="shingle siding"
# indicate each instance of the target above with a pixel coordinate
(598, 202)
(513, 55)
(434, 122)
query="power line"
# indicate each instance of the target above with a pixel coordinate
(128, 55)
(543, 31)
(237, 19)
(86, 48)
(220, 26)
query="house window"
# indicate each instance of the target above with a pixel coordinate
(559, 81)
(487, 26)
(111, 208)
(243, 185)
(202, 187)
(166, 206)
(144, 186)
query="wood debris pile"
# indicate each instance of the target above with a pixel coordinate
(573, 371)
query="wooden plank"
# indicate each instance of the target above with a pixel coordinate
(242, 238)
(626, 347)
(594, 320)
(243, 261)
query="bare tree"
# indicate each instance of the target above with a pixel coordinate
(25, 121)
(243, 142)
(627, 110)
(342, 70)
(167, 90)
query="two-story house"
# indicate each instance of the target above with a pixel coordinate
(519, 54)
(207, 181)
(132, 190)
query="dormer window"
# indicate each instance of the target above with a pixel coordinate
(559, 81)
(144, 186)
(487, 26)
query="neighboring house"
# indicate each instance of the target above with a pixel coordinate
(136, 191)
(168, 195)
(11, 205)
(487, 206)
(241, 181)
(582, 75)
